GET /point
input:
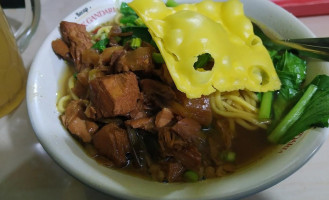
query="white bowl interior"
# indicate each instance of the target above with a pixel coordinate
(42, 89)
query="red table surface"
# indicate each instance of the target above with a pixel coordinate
(301, 8)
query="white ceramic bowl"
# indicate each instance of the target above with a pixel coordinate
(42, 90)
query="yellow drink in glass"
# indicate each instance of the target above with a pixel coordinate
(12, 71)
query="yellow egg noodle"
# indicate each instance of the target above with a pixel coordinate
(239, 107)
(64, 100)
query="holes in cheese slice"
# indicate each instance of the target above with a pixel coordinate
(205, 62)
(258, 75)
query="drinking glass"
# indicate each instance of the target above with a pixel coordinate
(12, 71)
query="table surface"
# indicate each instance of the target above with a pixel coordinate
(27, 172)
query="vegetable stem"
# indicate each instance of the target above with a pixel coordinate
(266, 106)
(292, 116)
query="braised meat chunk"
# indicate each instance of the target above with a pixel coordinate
(78, 40)
(77, 123)
(163, 118)
(138, 59)
(188, 129)
(112, 142)
(115, 94)
(61, 49)
(190, 157)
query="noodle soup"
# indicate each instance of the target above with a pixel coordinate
(226, 143)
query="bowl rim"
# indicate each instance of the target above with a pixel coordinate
(34, 112)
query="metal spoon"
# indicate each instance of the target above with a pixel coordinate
(310, 47)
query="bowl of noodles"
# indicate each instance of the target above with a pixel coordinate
(119, 99)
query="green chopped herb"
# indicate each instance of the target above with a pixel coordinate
(171, 3)
(75, 75)
(157, 58)
(135, 43)
(190, 176)
(101, 44)
(139, 22)
(228, 156)
(128, 20)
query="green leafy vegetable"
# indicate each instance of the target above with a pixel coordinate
(295, 109)
(292, 71)
(316, 112)
(294, 114)
(101, 44)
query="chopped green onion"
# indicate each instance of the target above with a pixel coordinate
(157, 58)
(171, 3)
(191, 176)
(126, 10)
(293, 115)
(139, 22)
(101, 44)
(266, 106)
(228, 156)
(202, 61)
(75, 75)
(135, 43)
(128, 20)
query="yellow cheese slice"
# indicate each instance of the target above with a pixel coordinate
(221, 29)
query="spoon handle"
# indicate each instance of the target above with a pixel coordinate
(319, 42)
(311, 47)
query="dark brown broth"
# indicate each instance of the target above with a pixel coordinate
(250, 146)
